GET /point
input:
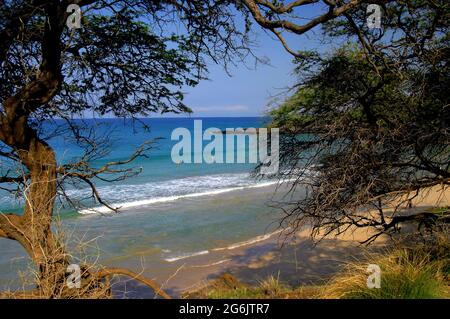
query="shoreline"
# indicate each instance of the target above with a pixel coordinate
(298, 262)
(158, 200)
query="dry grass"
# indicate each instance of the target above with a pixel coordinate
(34, 286)
(228, 287)
(421, 272)
(97, 282)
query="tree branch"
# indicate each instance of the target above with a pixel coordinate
(125, 272)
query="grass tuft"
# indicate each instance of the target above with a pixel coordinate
(409, 273)
(418, 272)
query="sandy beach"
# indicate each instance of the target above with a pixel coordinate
(297, 261)
(255, 255)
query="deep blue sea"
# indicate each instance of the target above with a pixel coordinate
(168, 212)
(160, 176)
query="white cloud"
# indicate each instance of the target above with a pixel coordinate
(221, 109)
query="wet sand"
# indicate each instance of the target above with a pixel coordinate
(296, 262)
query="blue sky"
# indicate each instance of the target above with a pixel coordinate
(248, 91)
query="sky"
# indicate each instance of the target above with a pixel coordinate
(248, 91)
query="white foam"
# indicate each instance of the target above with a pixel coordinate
(199, 253)
(144, 202)
(250, 241)
(177, 186)
(230, 247)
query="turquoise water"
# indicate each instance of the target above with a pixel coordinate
(160, 176)
(169, 212)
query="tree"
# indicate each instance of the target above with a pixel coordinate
(126, 60)
(368, 127)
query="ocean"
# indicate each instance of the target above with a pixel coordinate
(169, 212)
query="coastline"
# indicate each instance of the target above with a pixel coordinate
(297, 262)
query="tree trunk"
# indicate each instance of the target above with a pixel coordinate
(33, 229)
(39, 240)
